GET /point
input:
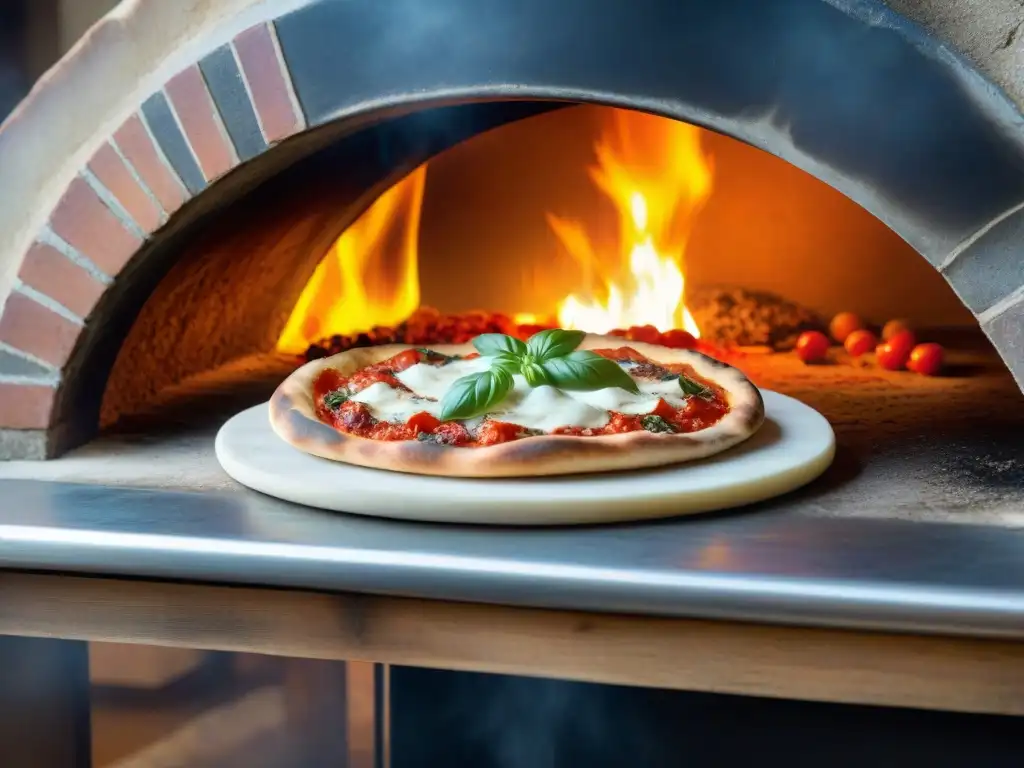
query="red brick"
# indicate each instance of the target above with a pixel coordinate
(266, 75)
(86, 223)
(110, 169)
(135, 144)
(30, 327)
(25, 406)
(54, 274)
(196, 111)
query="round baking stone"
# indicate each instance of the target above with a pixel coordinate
(795, 445)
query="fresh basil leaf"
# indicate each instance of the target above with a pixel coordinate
(507, 362)
(535, 375)
(475, 394)
(694, 388)
(556, 342)
(586, 371)
(656, 424)
(335, 399)
(494, 344)
(669, 377)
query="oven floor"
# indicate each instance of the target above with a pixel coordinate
(909, 447)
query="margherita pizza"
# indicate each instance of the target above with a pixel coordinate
(561, 403)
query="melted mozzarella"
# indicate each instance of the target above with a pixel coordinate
(547, 408)
(544, 408)
(390, 404)
(434, 381)
(615, 399)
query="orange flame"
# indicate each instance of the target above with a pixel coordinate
(657, 176)
(653, 171)
(371, 274)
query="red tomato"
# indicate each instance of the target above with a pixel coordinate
(423, 422)
(891, 357)
(926, 359)
(618, 332)
(860, 343)
(843, 325)
(645, 333)
(663, 409)
(902, 344)
(328, 381)
(493, 432)
(404, 360)
(893, 327)
(812, 346)
(678, 339)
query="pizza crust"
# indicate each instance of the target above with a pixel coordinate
(293, 419)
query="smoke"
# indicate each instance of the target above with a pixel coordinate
(537, 723)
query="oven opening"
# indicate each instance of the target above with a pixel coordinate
(616, 222)
(434, 226)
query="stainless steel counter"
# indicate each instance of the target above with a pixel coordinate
(777, 562)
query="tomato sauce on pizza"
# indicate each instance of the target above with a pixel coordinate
(398, 399)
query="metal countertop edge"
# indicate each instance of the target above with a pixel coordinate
(905, 608)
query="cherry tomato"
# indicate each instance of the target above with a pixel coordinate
(678, 339)
(645, 333)
(893, 327)
(860, 343)
(618, 332)
(891, 357)
(423, 422)
(493, 432)
(812, 346)
(405, 360)
(843, 325)
(926, 359)
(902, 343)
(663, 409)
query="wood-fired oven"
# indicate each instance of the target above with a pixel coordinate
(196, 199)
(205, 193)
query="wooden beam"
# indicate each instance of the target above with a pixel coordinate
(956, 674)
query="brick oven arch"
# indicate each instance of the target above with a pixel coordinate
(851, 92)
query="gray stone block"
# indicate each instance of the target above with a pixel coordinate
(14, 365)
(23, 444)
(992, 267)
(1007, 333)
(172, 141)
(223, 78)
